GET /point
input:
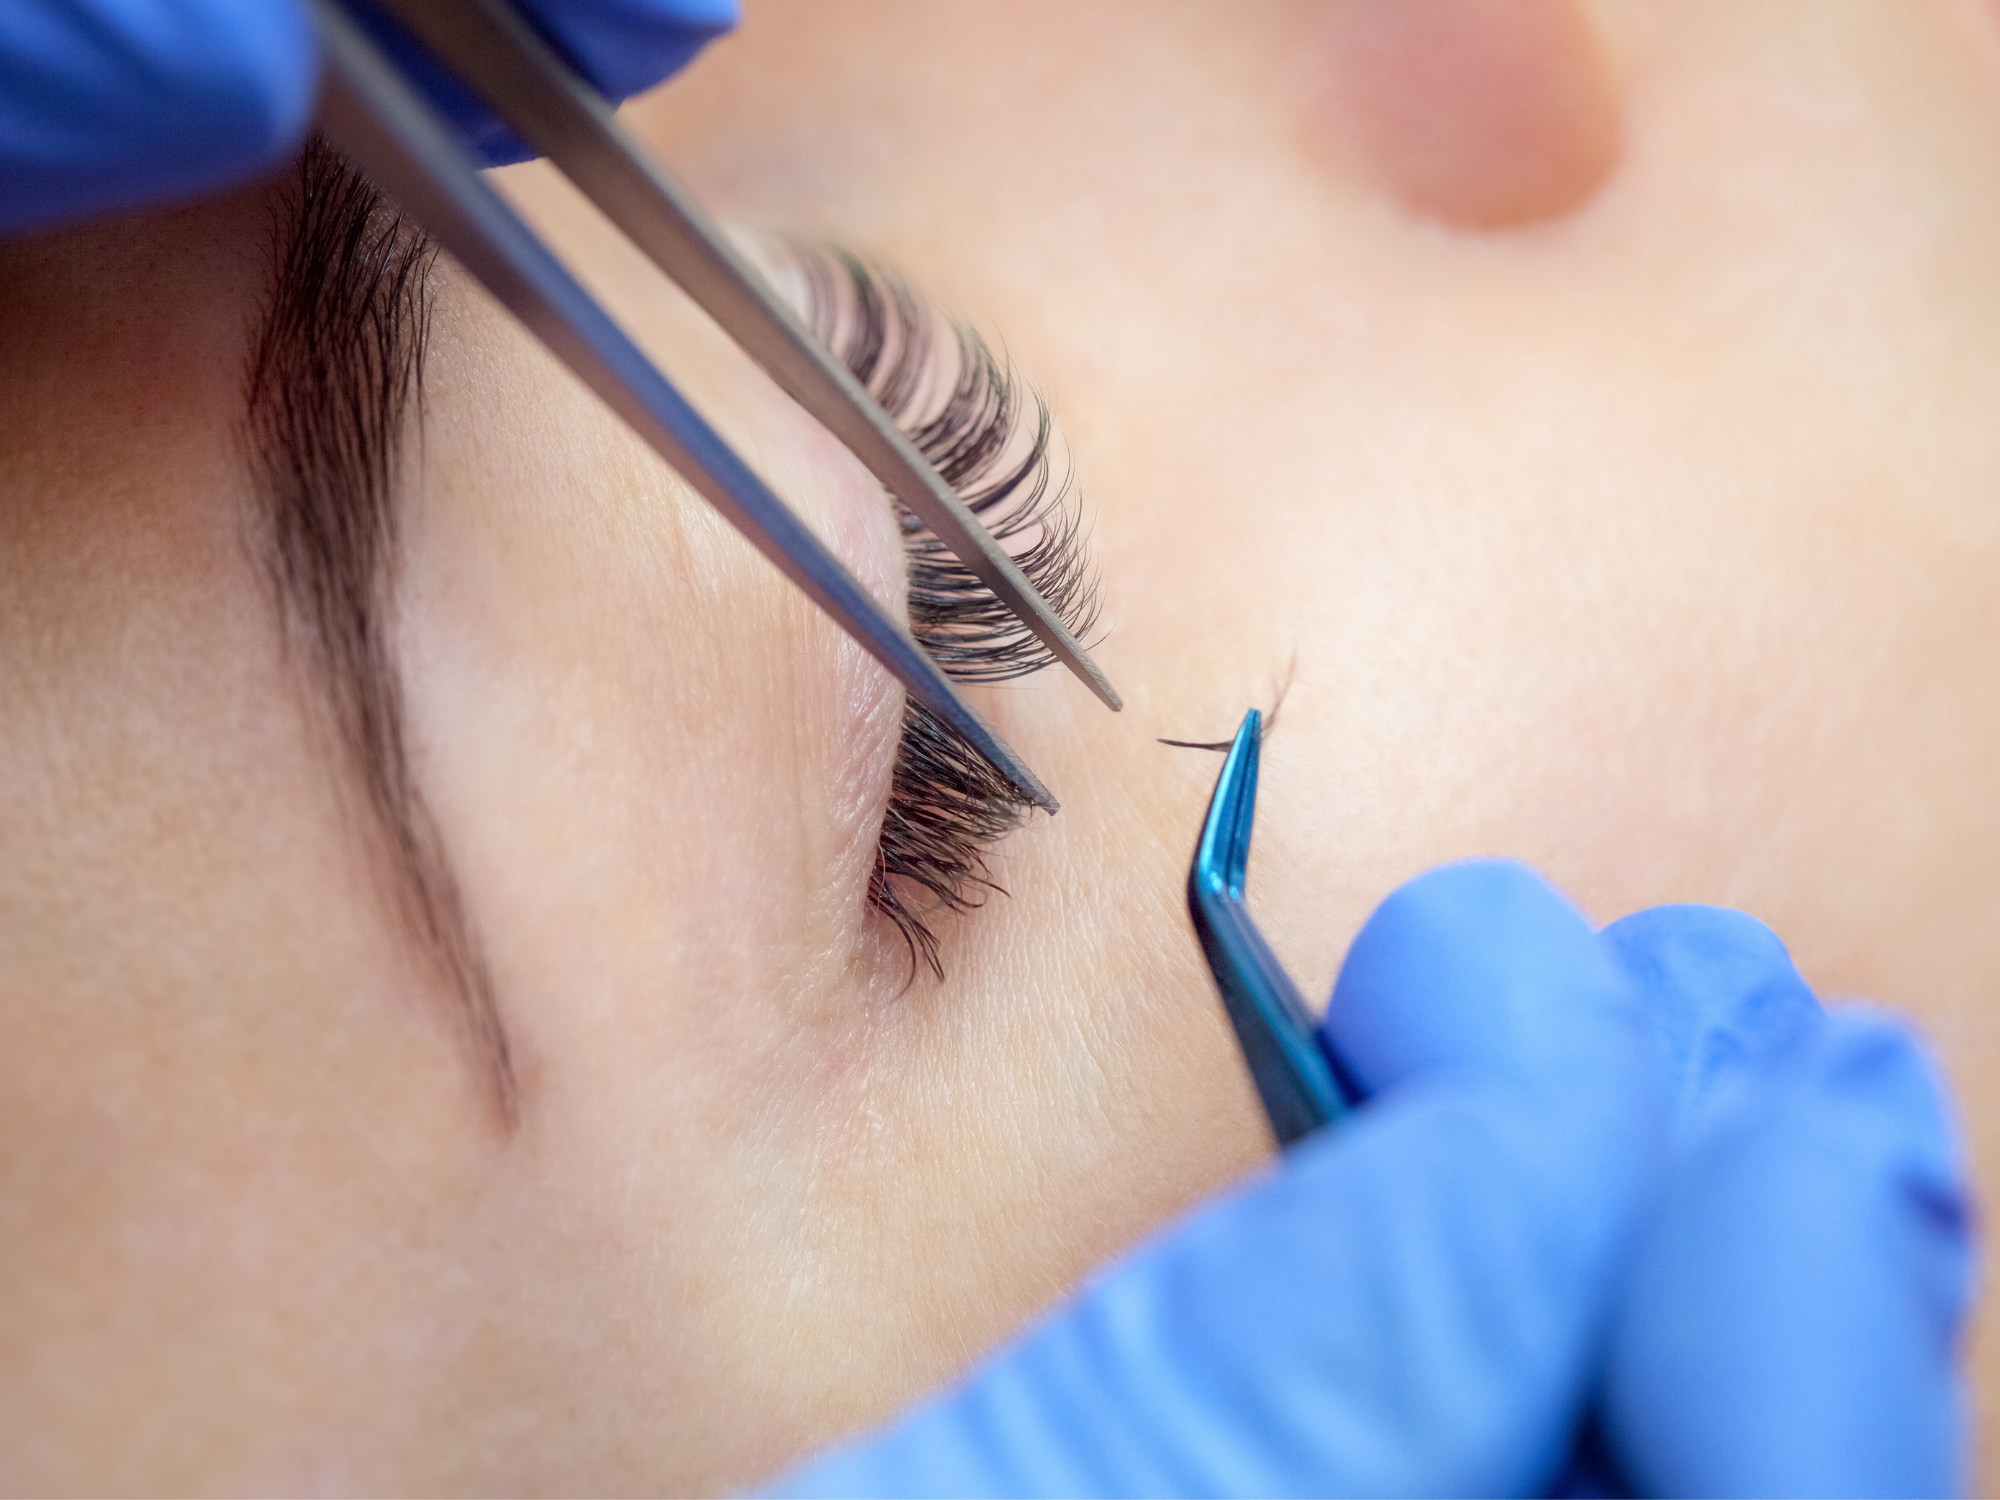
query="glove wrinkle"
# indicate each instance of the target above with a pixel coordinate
(1791, 1321)
(1721, 998)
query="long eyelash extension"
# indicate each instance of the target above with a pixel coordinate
(1270, 720)
(946, 805)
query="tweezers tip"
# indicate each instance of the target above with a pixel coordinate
(1078, 661)
(1251, 729)
(1025, 781)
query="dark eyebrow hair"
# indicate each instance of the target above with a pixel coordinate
(335, 378)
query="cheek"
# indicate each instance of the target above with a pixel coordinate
(658, 768)
(1485, 113)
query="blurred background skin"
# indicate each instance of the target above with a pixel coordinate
(1595, 398)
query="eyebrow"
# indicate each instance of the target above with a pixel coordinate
(335, 379)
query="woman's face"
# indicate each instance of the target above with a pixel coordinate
(1589, 407)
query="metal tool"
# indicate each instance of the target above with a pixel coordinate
(391, 130)
(1303, 1085)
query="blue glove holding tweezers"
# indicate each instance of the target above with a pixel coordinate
(1633, 1184)
(113, 104)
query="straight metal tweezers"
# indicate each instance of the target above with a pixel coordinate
(392, 131)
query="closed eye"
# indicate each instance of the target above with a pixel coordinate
(992, 440)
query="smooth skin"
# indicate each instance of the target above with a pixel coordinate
(1642, 527)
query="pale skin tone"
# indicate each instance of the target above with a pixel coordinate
(1635, 517)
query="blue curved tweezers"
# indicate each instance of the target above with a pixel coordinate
(1302, 1083)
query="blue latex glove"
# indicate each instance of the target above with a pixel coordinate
(108, 104)
(1791, 1321)
(1569, 1138)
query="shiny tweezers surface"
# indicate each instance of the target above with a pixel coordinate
(1299, 1080)
(389, 128)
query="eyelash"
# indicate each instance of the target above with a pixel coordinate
(946, 804)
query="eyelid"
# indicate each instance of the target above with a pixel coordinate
(946, 805)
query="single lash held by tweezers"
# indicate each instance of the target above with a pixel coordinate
(1270, 718)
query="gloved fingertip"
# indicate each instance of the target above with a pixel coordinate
(272, 87)
(1882, 1069)
(1480, 964)
(1793, 1319)
(621, 47)
(1720, 995)
(627, 46)
(235, 82)
(713, 17)
(148, 104)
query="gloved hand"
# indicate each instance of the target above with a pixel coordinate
(1791, 1321)
(1635, 1177)
(110, 104)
